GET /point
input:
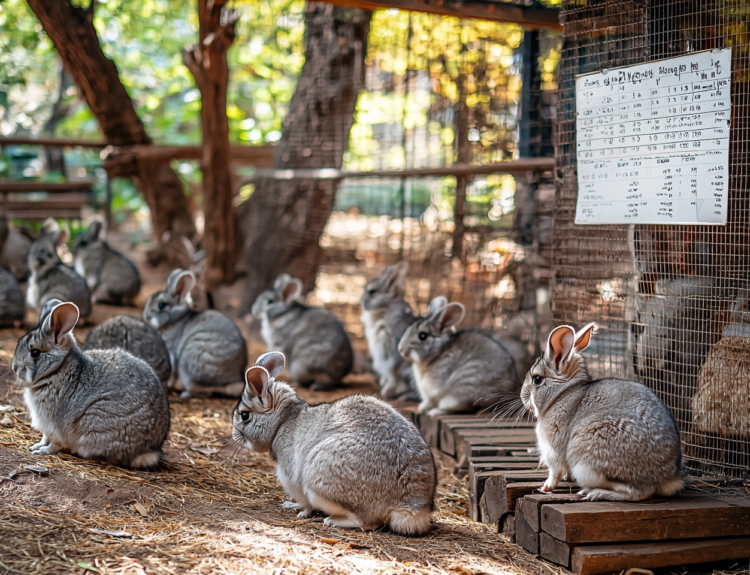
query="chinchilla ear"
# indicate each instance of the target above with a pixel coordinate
(273, 362)
(450, 316)
(396, 280)
(47, 308)
(61, 320)
(560, 346)
(256, 382)
(95, 229)
(50, 225)
(437, 304)
(61, 237)
(292, 291)
(281, 281)
(180, 283)
(583, 337)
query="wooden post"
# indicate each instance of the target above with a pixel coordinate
(207, 61)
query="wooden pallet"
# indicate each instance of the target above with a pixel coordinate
(589, 538)
(480, 447)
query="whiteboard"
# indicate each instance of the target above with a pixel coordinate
(653, 142)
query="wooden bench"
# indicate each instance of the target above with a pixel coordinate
(63, 200)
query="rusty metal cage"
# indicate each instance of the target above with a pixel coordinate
(672, 301)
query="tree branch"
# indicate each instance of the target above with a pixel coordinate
(89, 13)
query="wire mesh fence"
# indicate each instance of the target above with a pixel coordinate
(671, 301)
(441, 91)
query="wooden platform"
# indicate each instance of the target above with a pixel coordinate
(586, 538)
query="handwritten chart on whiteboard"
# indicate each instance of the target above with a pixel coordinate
(653, 142)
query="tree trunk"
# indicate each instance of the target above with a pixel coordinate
(207, 61)
(283, 219)
(71, 30)
(55, 156)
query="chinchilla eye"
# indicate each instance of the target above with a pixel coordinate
(35, 353)
(372, 291)
(422, 335)
(537, 379)
(269, 302)
(161, 305)
(244, 415)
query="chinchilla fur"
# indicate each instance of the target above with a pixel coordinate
(356, 459)
(613, 437)
(100, 404)
(50, 277)
(456, 371)
(206, 349)
(134, 336)
(386, 315)
(313, 339)
(111, 277)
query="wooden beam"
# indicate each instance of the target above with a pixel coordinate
(255, 155)
(615, 558)
(510, 167)
(50, 141)
(685, 517)
(25, 187)
(531, 17)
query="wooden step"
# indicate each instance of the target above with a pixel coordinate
(494, 502)
(526, 537)
(613, 558)
(554, 550)
(535, 502)
(429, 425)
(452, 431)
(693, 516)
(481, 471)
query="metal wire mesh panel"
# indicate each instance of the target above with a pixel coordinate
(671, 301)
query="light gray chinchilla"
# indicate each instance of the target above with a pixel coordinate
(386, 315)
(614, 437)
(456, 371)
(12, 307)
(206, 349)
(50, 277)
(111, 277)
(356, 459)
(14, 251)
(100, 404)
(134, 336)
(313, 339)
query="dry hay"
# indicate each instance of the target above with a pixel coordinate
(204, 512)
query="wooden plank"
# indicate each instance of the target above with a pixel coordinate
(554, 550)
(429, 425)
(51, 142)
(480, 471)
(659, 519)
(591, 560)
(8, 186)
(529, 17)
(510, 167)
(500, 494)
(479, 447)
(447, 429)
(62, 202)
(533, 504)
(526, 537)
(60, 214)
(496, 436)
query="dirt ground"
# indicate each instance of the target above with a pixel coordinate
(207, 509)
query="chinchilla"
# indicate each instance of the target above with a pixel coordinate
(136, 337)
(313, 339)
(386, 315)
(111, 277)
(356, 458)
(12, 306)
(50, 277)
(614, 437)
(99, 404)
(14, 251)
(456, 371)
(206, 349)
